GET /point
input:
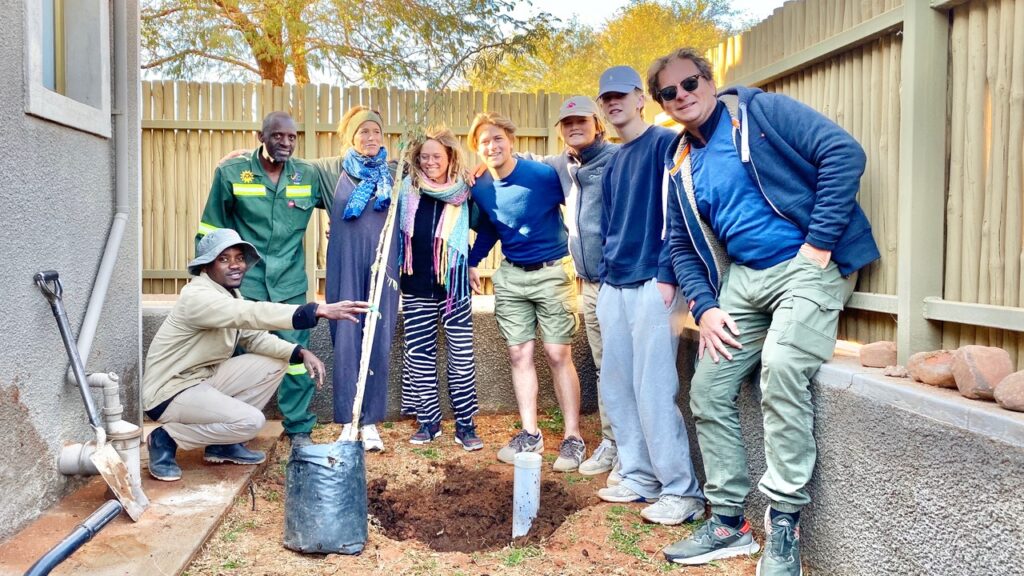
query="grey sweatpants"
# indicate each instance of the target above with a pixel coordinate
(226, 408)
(639, 383)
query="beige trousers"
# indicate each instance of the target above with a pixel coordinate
(589, 293)
(226, 408)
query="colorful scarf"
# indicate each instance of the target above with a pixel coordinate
(451, 237)
(374, 176)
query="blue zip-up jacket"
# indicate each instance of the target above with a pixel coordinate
(808, 169)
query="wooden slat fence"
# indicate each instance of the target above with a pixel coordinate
(188, 127)
(985, 204)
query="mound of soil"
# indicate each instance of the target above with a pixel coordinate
(470, 511)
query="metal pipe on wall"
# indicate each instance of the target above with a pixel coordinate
(122, 176)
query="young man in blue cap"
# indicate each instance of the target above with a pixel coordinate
(766, 241)
(640, 316)
(200, 393)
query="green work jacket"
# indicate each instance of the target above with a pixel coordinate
(271, 217)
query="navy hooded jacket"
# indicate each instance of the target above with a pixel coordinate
(807, 167)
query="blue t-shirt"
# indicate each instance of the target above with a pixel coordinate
(523, 210)
(753, 233)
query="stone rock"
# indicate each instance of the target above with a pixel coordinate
(878, 354)
(1010, 392)
(896, 371)
(934, 368)
(977, 370)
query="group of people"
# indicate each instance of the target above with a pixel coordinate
(747, 219)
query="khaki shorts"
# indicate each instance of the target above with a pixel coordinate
(546, 297)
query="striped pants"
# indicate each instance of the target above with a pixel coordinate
(419, 373)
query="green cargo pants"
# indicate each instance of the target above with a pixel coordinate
(787, 316)
(296, 390)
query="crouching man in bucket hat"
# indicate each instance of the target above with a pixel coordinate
(194, 385)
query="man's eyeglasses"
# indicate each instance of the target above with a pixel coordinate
(689, 84)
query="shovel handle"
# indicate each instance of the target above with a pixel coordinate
(49, 282)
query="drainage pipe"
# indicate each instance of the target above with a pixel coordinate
(123, 435)
(79, 536)
(122, 176)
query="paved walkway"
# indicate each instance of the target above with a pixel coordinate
(181, 516)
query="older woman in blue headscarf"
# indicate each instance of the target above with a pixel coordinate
(362, 182)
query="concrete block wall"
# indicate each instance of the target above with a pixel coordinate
(910, 479)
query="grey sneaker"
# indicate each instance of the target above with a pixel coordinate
(602, 460)
(781, 548)
(615, 477)
(570, 453)
(620, 494)
(712, 541)
(671, 510)
(523, 441)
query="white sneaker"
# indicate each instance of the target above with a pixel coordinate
(620, 494)
(614, 477)
(346, 430)
(602, 460)
(371, 439)
(671, 510)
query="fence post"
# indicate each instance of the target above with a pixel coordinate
(310, 119)
(921, 187)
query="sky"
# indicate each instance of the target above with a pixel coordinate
(595, 12)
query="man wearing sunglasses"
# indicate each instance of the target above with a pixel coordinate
(766, 239)
(639, 313)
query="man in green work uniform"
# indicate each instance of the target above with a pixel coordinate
(268, 197)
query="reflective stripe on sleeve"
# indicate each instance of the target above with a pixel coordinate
(296, 369)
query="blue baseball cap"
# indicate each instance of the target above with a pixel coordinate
(621, 79)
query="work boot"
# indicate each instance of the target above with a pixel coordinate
(162, 447)
(570, 453)
(523, 441)
(300, 439)
(601, 460)
(426, 434)
(465, 434)
(714, 540)
(782, 546)
(233, 453)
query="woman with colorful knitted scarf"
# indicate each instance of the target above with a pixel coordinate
(434, 219)
(362, 184)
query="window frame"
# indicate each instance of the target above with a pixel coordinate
(44, 103)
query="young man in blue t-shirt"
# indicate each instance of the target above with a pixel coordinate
(640, 315)
(519, 203)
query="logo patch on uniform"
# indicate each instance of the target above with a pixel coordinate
(247, 177)
(296, 177)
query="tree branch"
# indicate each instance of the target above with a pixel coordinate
(193, 52)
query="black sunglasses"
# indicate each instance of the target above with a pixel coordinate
(689, 84)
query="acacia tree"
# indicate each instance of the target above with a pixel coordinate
(569, 59)
(375, 41)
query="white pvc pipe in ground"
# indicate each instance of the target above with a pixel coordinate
(525, 492)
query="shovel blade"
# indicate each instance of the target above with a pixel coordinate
(115, 474)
